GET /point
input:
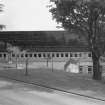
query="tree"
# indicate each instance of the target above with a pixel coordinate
(88, 17)
(14, 49)
(1, 10)
(2, 26)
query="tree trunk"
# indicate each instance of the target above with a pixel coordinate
(16, 63)
(97, 72)
(26, 72)
(47, 62)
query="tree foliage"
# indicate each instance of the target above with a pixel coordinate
(2, 26)
(1, 10)
(88, 17)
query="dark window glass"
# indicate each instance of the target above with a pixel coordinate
(26, 55)
(71, 55)
(39, 55)
(13, 55)
(80, 69)
(30, 55)
(4, 55)
(89, 55)
(0, 55)
(62, 55)
(48, 55)
(53, 55)
(17, 55)
(22, 55)
(44, 55)
(89, 69)
(35, 55)
(57, 55)
(75, 55)
(66, 55)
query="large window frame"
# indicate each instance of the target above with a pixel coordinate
(80, 69)
(90, 70)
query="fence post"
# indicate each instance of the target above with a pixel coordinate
(52, 65)
(26, 71)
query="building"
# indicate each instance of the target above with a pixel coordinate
(48, 49)
(78, 59)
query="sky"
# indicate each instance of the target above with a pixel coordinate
(27, 15)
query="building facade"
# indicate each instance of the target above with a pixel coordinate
(78, 59)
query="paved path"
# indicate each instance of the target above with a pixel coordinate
(17, 93)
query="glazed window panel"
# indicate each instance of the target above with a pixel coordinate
(80, 69)
(35, 55)
(53, 55)
(13, 55)
(76, 55)
(17, 55)
(89, 69)
(26, 55)
(89, 55)
(57, 55)
(4, 55)
(39, 55)
(30, 55)
(0, 55)
(71, 55)
(22, 55)
(62, 55)
(66, 55)
(48, 55)
(44, 55)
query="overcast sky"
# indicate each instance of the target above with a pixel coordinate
(27, 15)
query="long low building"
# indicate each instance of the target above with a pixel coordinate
(68, 58)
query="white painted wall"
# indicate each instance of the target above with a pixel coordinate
(74, 68)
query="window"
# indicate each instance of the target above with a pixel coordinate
(35, 55)
(48, 55)
(80, 69)
(89, 69)
(71, 55)
(22, 55)
(66, 55)
(89, 55)
(62, 55)
(80, 55)
(44, 55)
(13, 55)
(57, 55)
(26, 55)
(4, 55)
(75, 55)
(30, 55)
(0, 55)
(39, 55)
(53, 55)
(17, 55)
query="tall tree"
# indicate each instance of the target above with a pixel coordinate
(88, 17)
(1, 10)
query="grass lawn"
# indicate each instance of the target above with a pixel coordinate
(76, 83)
